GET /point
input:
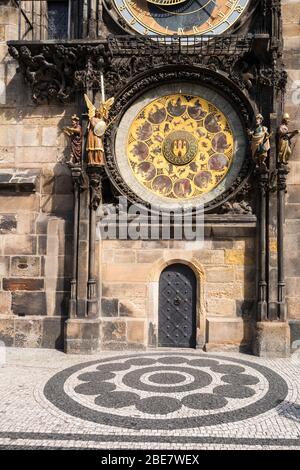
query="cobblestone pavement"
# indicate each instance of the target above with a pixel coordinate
(167, 399)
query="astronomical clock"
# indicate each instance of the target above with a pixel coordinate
(180, 17)
(181, 144)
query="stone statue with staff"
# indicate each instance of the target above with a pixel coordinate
(285, 137)
(75, 134)
(260, 141)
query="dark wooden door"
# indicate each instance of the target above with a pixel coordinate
(177, 307)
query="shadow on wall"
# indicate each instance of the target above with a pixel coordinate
(246, 308)
(38, 253)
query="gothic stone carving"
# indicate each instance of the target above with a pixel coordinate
(56, 71)
(96, 175)
(242, 203)
(80, 178)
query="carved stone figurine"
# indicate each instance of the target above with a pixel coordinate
(284, 139)
(96, 129)
(75, 134)
(260, 141)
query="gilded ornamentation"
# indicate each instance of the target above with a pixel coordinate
(96, 129)
(180, 146)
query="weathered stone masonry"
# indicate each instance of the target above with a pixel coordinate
(35, 210)
(37, 233)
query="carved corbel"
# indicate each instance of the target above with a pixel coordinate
(80, 178)
(95, 176)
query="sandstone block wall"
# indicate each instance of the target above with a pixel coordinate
(130, 273)
(291, 34)
(36, 203)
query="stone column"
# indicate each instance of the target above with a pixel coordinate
(283, 171)
(84, 18)
(95, 178)
(78, 181)
(272, 336)
(291, 58)
(262, 307)
(82, 332)
(272, 223)
(93, 19)
(99, 18)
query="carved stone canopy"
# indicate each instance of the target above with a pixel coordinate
(55, 71)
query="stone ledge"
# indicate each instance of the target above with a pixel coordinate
(25, 181)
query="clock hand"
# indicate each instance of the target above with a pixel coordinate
(204, 6)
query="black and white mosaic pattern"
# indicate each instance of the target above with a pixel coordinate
(166, 390)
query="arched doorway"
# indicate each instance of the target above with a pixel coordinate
(177, 307)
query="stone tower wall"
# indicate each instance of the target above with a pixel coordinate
(36, 204)
(291, 35)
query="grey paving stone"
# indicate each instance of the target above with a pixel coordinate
(178, 400)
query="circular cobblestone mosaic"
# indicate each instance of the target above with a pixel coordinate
(166, 391)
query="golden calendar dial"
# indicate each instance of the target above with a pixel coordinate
(180, 17)
(180, 146)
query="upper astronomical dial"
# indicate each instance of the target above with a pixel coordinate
(181, 17)
(166, 2)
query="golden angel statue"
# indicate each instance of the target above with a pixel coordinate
(260, 141)
(96, 129)
(285, 139)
